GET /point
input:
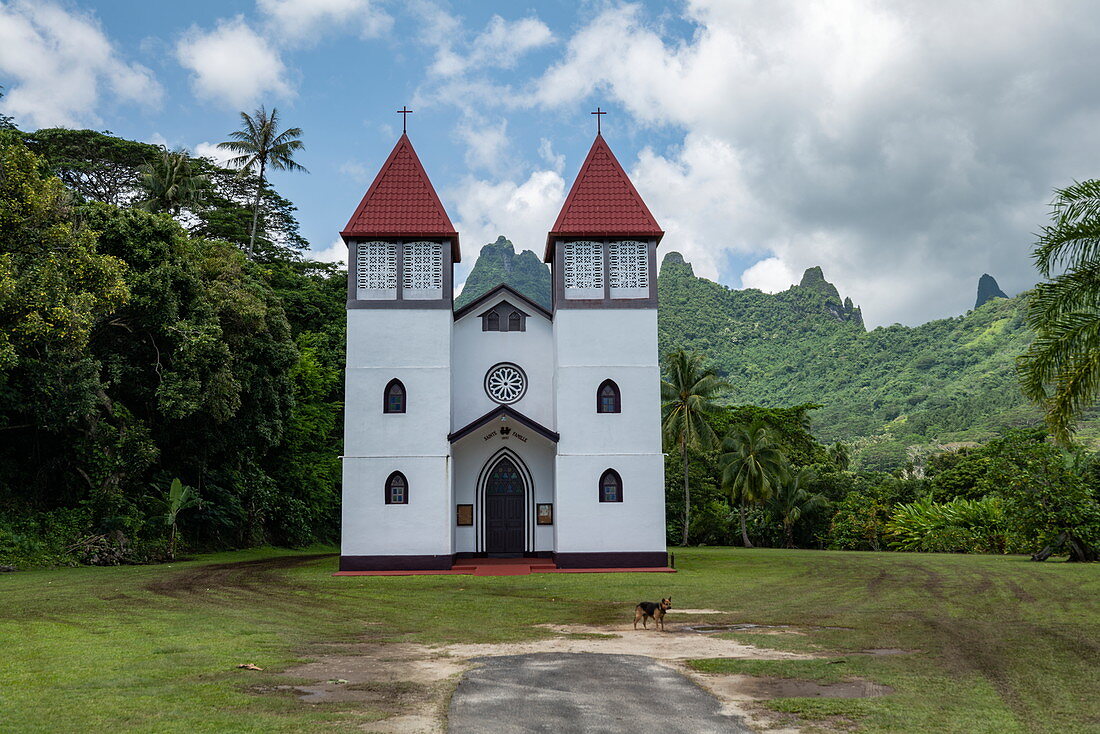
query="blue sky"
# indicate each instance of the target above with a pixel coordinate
(905, 147)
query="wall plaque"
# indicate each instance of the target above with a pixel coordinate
(545, 513)
(465, 514)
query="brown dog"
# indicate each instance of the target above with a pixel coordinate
(647, 610)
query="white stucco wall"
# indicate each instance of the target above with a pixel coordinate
(593, 345)
(471, 455)
(475, 351)
(371, 527)
(413, 345)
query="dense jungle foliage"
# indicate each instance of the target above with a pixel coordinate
(136, 349)
(139, 346)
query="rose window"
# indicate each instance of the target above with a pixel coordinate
(505, 383)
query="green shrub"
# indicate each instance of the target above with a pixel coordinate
(958, 526)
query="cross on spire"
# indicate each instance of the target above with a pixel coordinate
(404, 112)
(598, 113)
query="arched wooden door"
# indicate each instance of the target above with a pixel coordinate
(505, 510)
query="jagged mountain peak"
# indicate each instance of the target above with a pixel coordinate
(988, 290)
(499, 263)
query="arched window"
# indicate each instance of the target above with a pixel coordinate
(515, 321)
(394, 398)
(611, 487)
(492, 321)
(397, 489)
(607, 398)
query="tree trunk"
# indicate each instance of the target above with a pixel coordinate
(687, 491)
(788, 534)
(744, 531)
(256, 209)
(172, 543)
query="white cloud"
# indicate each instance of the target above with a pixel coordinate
(906, 147)
(304, 21)
(486, 144)
(520, 211)
(337, 252)
(355, 171)
(57, 64)
(233, 65)
(214, 153)
(501, 44)
(770, 275)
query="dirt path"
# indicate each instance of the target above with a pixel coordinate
(258, 577)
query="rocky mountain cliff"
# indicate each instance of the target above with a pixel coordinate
(498, 263)
(988, 290)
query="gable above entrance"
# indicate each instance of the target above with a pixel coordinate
(509, 413)
(511, 293)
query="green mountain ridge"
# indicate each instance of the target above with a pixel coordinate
(498, 263)
(893, 392)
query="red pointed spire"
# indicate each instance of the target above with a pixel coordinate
(402, 202)
(603, 203)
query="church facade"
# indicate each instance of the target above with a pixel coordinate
(502, 428)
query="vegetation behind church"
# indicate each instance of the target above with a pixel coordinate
(135, 350)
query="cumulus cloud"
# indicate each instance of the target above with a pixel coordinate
(214, 153)
(337, 252)
(58, 64)
(522, 211)
(501, 44)
(232, 64)
(304, 21)
(770, 275)
(905, 147)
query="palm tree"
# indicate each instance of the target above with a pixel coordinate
(1061, 368)
(838, 454)
(753, 467)
(171, 183)
(259, 144)
(792, 500)
(687, 396)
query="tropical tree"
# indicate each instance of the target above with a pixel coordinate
(838, 454)
(171, 182)
(792, 500)
(753, 467)
(687, 401)
(1061, 369)
(180, 497)
(259, 144)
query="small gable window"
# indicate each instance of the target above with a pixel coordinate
(394, 399)
(397, 489)
(504, 317)
(607, 398)
(611, 487)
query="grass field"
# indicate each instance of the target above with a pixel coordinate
(1000, 644)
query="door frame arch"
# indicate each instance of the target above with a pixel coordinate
(528, 498)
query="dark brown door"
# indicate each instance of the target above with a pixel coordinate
(504, 510)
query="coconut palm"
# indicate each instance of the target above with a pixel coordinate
(792, 500)
(753, 467)
(687, 400)
(259, 144)
(838, 454)
(171, 182)
(1061, 369)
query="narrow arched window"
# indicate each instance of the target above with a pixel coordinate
(607, 398)
(493, 321)
(515, 321)
(397, 489)
(394, 398)
(611, 487)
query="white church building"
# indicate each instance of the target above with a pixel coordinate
(502, 428)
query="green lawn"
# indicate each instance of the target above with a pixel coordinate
(1003, 645)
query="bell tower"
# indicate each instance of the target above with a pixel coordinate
(396, 473)
(609, 470)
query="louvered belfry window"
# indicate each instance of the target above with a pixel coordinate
(628, 262)
(376, 270)
(422, 270)
(583, 269)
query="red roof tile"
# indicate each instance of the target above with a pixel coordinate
(402, 202)
(603, 203)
